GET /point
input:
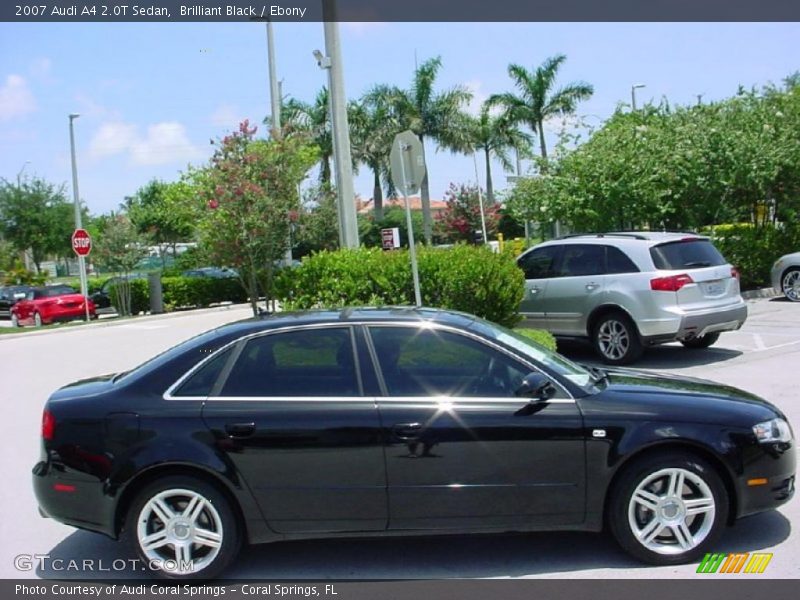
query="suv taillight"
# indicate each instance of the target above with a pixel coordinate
(735, 273)
(48, 425)
(670, 284)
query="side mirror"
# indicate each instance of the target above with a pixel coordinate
(536, 387)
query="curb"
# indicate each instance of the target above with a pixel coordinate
(760, 293)
(116, 321)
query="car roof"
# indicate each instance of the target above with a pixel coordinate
(398, 314)
(651, 238)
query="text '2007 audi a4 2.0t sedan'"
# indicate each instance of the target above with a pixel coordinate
(399, 421)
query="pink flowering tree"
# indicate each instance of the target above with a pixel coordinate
(249, 190)
(459, 221)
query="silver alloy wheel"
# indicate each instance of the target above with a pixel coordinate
(791, 285)
(181, 530)
(14, 320)
(671, 511)
(37, 319)
(613, 339)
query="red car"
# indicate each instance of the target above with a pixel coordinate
(45, 305)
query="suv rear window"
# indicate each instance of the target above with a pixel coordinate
(686, 254)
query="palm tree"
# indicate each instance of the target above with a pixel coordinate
(537, 101)
(430, 115)
(373, 126)
(314, 120)
(495, 135)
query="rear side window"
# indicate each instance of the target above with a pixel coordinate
(202, 381)
(690, 254)
(582, 260)
(540, 263)
(618, 263)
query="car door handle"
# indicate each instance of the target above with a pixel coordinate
(535, 290)
(407, 431)
(240, 430)
(591, 286)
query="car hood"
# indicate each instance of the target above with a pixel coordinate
(678, 397)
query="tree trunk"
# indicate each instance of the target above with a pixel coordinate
(425, 198)
(252, 289)
(542, 144)
(325, 171)
(489, 187)
(377, 194)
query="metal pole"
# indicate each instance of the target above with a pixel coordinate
(480, 200)
(78, 220)
(341, 129)
(412, 250)
(274, 91)
(633, 98)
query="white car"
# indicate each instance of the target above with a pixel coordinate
(786, 276)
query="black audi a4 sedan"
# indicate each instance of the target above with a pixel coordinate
(399, 421)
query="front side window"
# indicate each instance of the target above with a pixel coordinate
(311, 362)
(430, 362)
(539, 263)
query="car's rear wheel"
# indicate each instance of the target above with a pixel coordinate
(790, 284)
(668, 509)
(183, 528)
(14, 320)
(702, 341)
(37, 319)
(616, 339)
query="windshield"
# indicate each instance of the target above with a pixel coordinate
(537, 353)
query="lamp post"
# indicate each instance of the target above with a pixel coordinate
(635, 87)
(78, 220)
(274, 87)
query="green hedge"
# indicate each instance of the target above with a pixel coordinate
(184, 292)
(466, 278)
(541, 337)
(753, 250)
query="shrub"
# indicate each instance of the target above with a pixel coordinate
(466, 278)
(541, 337)
(753, 250)
(183, 292)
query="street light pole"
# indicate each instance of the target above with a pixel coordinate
(274, 90)
(635, 87)
(78, 220)
(341, 128)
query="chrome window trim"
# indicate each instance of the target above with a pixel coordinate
(167, 395)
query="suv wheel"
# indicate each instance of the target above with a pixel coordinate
(616, 339)
(37, 319)
(790, 284)
(668, 509)
(703, 341)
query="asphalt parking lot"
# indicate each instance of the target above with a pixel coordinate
(763, 357)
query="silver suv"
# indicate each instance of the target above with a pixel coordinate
(627, 291)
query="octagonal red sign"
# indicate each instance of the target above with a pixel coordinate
(81, 242)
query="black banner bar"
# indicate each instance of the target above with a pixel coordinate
(400, 10)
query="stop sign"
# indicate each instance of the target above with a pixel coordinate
(81, 242)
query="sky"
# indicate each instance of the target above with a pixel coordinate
(152, 96)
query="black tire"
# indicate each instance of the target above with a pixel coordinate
(703, 341)
(700, 531)
(216, 516)
(789, 281)
(15, 321)
(616, 339)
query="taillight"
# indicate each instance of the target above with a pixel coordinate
(48, 425)
(735, 273)
(670, 284)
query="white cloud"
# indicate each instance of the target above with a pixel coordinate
(16, 98)
(360, 28)
(164, 143)
(41, 69)
(227, 116)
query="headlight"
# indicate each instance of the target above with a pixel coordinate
(776, 430)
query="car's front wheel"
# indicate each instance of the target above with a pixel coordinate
(183, 528)
(790, 284)
(14, 320)
(668, 509)
(702, 341)
(37, 319)
(616, 339)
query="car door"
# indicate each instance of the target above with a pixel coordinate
(538, 265)
(292, 418)
(462, 451)
(576, 289)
